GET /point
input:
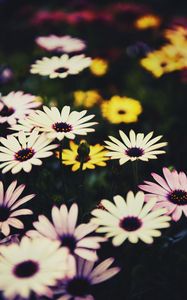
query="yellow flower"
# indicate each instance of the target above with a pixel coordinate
(147, 21)
(96, 157)
(165, 60)
(87, 99)
(99, 66)
(121, 110)
(176, 36)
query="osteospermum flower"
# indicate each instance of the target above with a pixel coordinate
(96, 157)
(9, 204)
(86, 98)
(130, 219)
(16, 105)
(87, 275)
(22, 125)
(170, 191)
(33, 266)
(64, 43)
(135, 147)
(121, 110)
(99, 66)
(22, 152)
(60, 66)
(62, 124)
(63, 228)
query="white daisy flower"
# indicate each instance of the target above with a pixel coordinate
(22, 152)
(23, 125)
(33, 266)
(87, 275)
(130, 219)
(64, 43)
(62, 124)
(9, 203)
(60, 66)
(136, 147)
(63, 228)
(16, 105)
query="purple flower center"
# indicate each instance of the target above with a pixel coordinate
(4, 213)
(69, 241)
(62, 127)
(7, 111)
(87, 158)
(130, 223)
(79, 287)
(24, 154)
(178, 197)
(61, 70)
(134, 152)
(26, 269)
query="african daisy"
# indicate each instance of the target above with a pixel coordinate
(60, 66)
(86, 276)
(63, 228)
(135, 147)
(33, 266)
(9, 202)
(170, 191)
(130, 219)
(16, 105)
(60, 124)
(22, 152)
(64, 43)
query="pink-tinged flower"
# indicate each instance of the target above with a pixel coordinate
(9, 203)
(171, 192)
(33, 267)
(86, 275)
(63, 228)
(60, 44)
(22, 152)
(16, 105)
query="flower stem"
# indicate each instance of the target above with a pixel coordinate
(63, 190)
(135, 173)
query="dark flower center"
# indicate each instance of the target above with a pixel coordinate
(134, 152)
(178, 197)
(121, 112)
(4, 213)
(6, 111)
(85, 159)
(61, 70)
(62, 127)
(26, 269)
(130, 223)
(69, 242)
(24, 154)
(79, 287)
(163, 64)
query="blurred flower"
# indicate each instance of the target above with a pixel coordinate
(22, 152)
(60, 67)
(33, 266)
(65, 43)
(64, 229)
(86, 98)
(16, 105)
(22, 125)
(6, 74)
(87, 274)
(99, 66)
(9, 202)
(43, 16)
(170, 191)
(130, 219)
(177, 35)
(96, 157)
(139, 49)
(135, 147)
(121, 110)
(165, 60)
(147, 21)
(62, 124)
